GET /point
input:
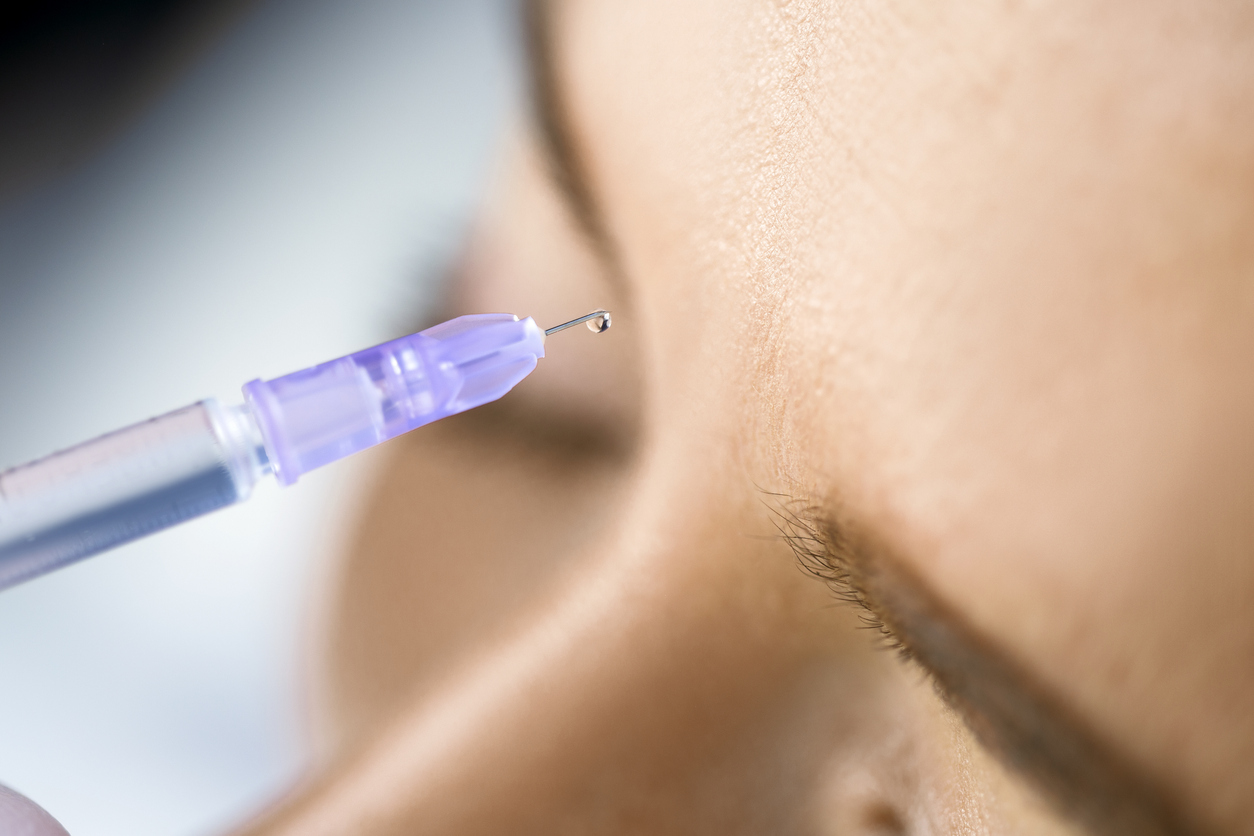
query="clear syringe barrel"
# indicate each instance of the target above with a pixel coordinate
(123, 485)
(161, 472)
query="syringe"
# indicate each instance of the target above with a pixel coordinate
(152, 475)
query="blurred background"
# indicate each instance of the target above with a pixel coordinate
(193, 194)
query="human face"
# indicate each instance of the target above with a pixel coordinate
(955, 302)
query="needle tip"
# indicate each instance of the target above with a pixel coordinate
(598, 322)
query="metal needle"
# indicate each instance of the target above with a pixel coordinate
(603, 326)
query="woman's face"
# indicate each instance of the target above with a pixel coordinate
(951, 303)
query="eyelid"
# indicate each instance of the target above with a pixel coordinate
(526, 423)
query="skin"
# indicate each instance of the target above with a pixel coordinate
(953, 302)
(20, 816)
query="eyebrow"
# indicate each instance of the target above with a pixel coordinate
(566, 165)
(1009, 711)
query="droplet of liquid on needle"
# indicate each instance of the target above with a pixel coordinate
(598, 323)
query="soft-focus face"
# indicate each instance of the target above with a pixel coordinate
(959, 299)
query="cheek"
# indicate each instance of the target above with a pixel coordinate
(465, 532)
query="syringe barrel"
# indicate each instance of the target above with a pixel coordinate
(124, 485)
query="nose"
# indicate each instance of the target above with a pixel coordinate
(687, 679)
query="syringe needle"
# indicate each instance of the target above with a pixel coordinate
(598, 322)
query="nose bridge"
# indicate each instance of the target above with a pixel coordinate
(632, 701)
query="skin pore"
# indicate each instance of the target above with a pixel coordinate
(956, 300)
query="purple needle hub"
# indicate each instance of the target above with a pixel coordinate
(318, 415)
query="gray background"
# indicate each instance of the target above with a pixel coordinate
(293, 196)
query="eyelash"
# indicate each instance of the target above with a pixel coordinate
(822, 553)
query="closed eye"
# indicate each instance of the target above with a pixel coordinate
(1016, 717)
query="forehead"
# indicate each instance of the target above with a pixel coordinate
(980, 275)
